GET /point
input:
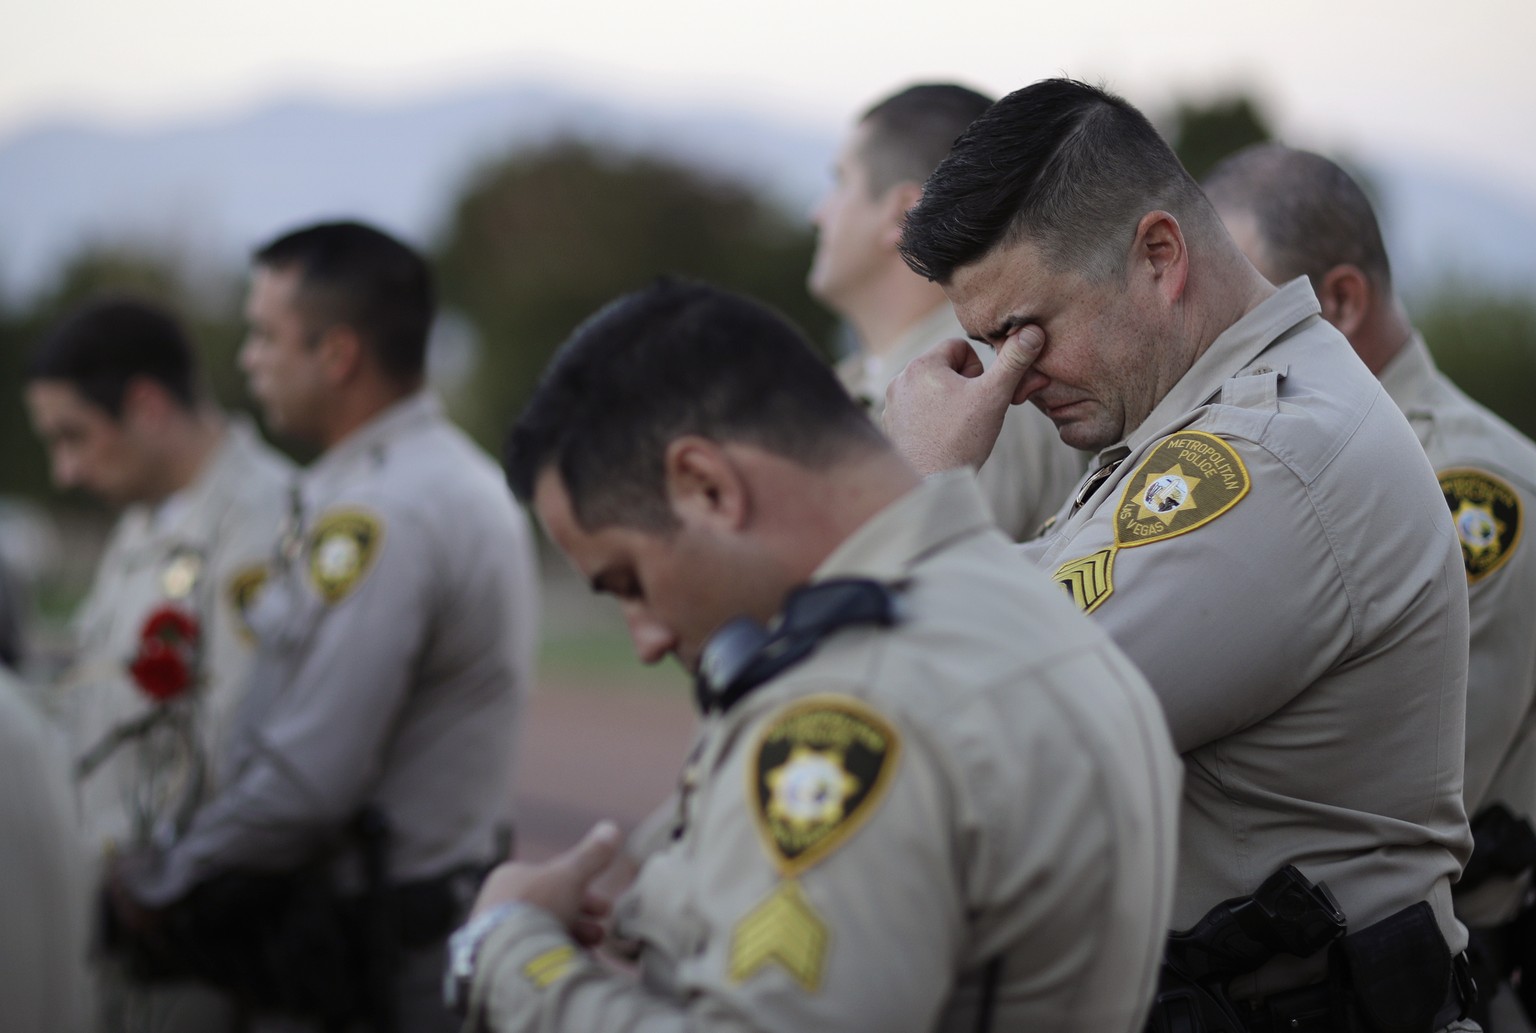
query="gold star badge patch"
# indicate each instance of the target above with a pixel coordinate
(244, 587)
(821, 768)
(342, 547)
(1187, 481)
(1486, 512)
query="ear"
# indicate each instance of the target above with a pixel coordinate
(1159, 254)
(898, 201)
(704, 487)
(341, 352)
(146, 403)
(1345, 295)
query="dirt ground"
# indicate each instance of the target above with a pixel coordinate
(590, 751)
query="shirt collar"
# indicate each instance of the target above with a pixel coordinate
(1234, 348)
(941, 509)
(1408, 377)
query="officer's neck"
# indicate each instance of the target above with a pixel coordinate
(887, 311)
(185, 452)
(351, 410)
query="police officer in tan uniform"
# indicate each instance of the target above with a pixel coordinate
(925, 795)
(1260, 532)
(1298, 214)
(896, 314)
(113, 392)
(395, 634)
(44, 893)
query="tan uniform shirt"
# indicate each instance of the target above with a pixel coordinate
(199, 551)
(1030, 470)
(1487, 471)
(396, 642)
(860, 837)
(1275, 556)
(44, 896)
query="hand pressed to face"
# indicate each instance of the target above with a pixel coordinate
(561, 885)
(1112, 347)
(945, 411)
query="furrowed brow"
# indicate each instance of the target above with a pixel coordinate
(1001, 332)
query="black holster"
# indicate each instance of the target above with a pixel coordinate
(1396, 976)
(292, 943)
(1502, 844)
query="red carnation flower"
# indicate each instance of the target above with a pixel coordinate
(167, 649)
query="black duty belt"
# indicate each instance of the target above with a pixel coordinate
(1313, 1008)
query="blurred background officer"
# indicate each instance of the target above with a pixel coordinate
(369, 776)
(1298, 214)
(114, 393)
(858, 272)
(932, 797)
(1261, 534)
(44, 891)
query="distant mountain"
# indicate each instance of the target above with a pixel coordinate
(217, 189)
(213, 190)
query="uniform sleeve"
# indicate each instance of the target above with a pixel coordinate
(1501, 671)
(1230, 619)
(864, 937)
(322, 742)
(1029, 474)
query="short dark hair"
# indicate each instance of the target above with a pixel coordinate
(1067, 166)
(1310, 214)
(103, 345)
(357, 276)
(910, 132)
(669, 360)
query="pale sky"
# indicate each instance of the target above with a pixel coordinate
(1452, 83)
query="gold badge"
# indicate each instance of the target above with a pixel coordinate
(1187, 481)
(1486, 512)
(551, 966)
(181, 573)
(784, 929)
(341, 549)
(244, 586)
(821, 769)
(1090, 580)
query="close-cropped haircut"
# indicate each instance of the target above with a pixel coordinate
(1310, 215)
(103, 346)
(910, 132)
(1068, 167)
(357, 276)
(670, 360)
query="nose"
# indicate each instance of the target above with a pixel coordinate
(652, 639)
(818, 211)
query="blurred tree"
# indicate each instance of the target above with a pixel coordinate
(540, 240)
(1202, 133)
(1486, 343)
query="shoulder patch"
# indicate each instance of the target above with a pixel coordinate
(244, 586)
(1486, 511)
(1187, 481)
(342, 547)
(1090, 580)
(784, 929)
(820, 769)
